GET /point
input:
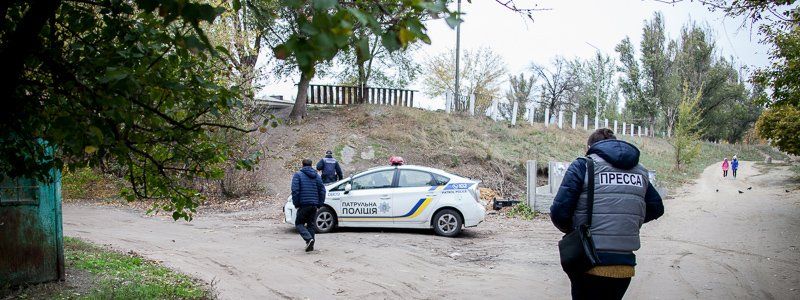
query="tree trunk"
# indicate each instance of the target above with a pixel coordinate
(21, 43)
(299, 109)
(362, 82)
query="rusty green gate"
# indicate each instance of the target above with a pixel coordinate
(31, 236)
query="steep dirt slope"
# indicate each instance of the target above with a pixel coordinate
(494, 152)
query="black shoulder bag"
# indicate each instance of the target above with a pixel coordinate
(576, 248)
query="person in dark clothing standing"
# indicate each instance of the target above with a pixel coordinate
(308, 194)
(624, 199)
(331, 172)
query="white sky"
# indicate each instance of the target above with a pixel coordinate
(566, 29)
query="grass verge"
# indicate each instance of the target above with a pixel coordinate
(97, 273)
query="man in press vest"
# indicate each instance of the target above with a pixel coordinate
(624, 199)
(331, 172)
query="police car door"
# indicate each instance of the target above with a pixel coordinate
(416, 191)
(369, 201)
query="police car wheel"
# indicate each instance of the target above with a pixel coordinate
(447, 222)
(325, 220)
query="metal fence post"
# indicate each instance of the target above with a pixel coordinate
(514, 113)
(530, 173)
(560, 119)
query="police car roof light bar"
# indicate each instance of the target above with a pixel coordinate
(396, 161)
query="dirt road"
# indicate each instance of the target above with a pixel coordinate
(710, 245)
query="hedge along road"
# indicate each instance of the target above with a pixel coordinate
(708, 245)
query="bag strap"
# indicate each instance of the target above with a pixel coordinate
(590, 189)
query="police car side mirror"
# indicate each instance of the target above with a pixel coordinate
(347, 188)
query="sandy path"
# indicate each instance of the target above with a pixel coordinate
(709, 245)
(725, 245)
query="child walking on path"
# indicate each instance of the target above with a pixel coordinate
(734, 165)
(725, 166)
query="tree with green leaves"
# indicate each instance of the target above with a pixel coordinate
(686, 140)
(235, 30)
(133, 87)
(482, 73)
(596, 83)
(395, 69)
(781, 121)
(521, 90)
(778, 21)
(312, 32)
(637, 105)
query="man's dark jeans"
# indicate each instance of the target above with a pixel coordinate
(585, 286)
(305, 222)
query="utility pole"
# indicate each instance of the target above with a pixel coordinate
(597, 86)
(458, 51)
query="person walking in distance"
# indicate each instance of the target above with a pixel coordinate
(734, 166)
(331, 171)
(725, 166)
(623, 200)
(308, 194)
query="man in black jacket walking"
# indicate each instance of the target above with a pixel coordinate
(308, 194)
(331, 171)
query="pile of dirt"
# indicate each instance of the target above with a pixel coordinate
(488, 195)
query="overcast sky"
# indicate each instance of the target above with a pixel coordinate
(568, 27)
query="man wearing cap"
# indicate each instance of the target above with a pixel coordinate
(331, 172)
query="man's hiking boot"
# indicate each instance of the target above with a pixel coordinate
(310, 245)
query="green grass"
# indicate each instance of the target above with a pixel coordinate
(125, 276)
(108, 274)
(796, 170)
(522, 211)
(88, 183)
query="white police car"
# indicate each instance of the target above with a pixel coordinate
(399, 197)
